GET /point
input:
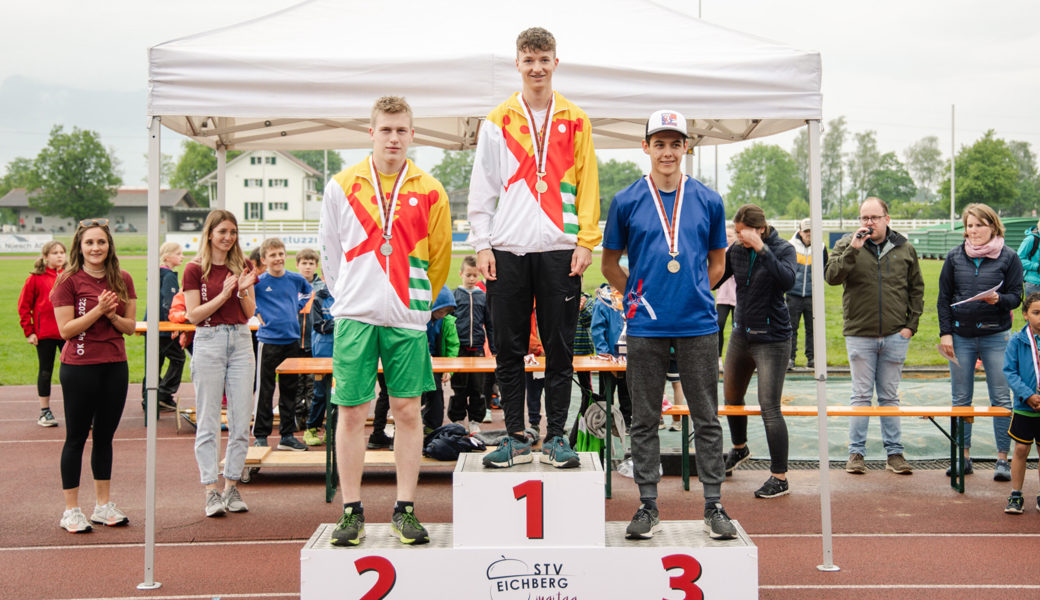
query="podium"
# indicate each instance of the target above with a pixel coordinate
(531, 532)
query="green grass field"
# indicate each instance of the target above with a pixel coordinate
(18, 359)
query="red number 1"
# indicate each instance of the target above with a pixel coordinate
(532, 490)
(386, 572)
(685, 581)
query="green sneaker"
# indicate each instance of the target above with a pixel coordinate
(311, 437)
(510, 452)
(407, 527)
(350, 529)
(558, 453)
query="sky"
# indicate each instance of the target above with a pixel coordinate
(894, 67)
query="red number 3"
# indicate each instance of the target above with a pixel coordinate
(387, 576)
(685, 581)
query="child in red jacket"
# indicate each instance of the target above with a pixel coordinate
(37, 318)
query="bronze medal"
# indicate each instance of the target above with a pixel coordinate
(541, 186)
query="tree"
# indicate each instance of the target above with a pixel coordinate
(832, 165)
(614, 176)
(196, 161)
(316, 160)
(890, 182)
(986, 172)
(454, 170)
(800, 156)
(74, 176)
(862, 162)
(765, 175)
(1028, 181)
(924, 163)
(165, 169)
(19, 175)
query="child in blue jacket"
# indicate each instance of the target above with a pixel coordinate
(1021, 369)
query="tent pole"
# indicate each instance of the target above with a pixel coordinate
(221, 177)
(820, 342)
(151, 344)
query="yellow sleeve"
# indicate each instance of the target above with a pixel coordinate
(586, 199)
(439, 240)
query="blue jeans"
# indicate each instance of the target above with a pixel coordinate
(222, 364)
(876, 363)
(990, 348)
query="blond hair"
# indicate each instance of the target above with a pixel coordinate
(168, 249)
(986, 215)
(270, 243)
(40, 266)
(391, 105)
(235, 260)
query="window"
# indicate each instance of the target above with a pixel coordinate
(253, 182)
(255, 160)
(278, 183)
(254, 211)
(277, 206)
(38, 220)
(269, 160)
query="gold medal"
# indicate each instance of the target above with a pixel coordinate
(673, 266)
(540, 141)
(541, 186)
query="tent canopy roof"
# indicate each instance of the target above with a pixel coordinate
(306, 77)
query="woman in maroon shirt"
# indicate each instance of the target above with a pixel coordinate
(95, 306)
(37, 318)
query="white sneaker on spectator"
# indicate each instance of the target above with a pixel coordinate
(74, 521)
(108, 515)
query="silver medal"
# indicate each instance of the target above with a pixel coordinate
(386, 249)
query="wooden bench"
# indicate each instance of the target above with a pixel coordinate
(320, 367)
(958, 415)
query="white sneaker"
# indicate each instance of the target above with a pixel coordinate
(215, 504)
(487, 417)
(233, 500)
(47, 419)
(74, 521)
(474, 428)
(675, 426)
(108, 515)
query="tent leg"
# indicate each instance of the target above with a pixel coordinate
(820, 345)
(152, 354)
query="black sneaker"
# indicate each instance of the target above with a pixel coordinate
(968, 469)
(736, 457)
(379, 440)
(289, 442)
(772, 488)
(350, 529)
(717, 523)
(167, 405)
(1015, 504)
(260, 442)
(407, 528)
(644, 524)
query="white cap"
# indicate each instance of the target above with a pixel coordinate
(666, 120)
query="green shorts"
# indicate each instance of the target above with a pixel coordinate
(356, 351)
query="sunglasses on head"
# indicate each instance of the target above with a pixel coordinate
(93, 222)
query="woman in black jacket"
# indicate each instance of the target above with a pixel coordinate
(763, 265)
(980, 328)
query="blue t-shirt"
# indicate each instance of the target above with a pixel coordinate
(278, 302)
(681, 303)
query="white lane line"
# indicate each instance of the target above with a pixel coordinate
(908, 586)
(190, 438)
(160, 545)
(893, 535)
(201, 596)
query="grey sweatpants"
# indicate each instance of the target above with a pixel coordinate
(698, 372)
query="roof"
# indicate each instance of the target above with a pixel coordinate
(125, 198)
(259, 85)
(309, 170)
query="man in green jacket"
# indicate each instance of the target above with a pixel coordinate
(882, 302)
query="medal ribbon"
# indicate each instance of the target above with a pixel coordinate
(539, 139)
(1036, 355)
(671, 229)
(387, 211)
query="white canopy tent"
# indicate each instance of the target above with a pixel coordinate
(306, 78)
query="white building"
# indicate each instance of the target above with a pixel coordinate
(178, 211)
(268, 185)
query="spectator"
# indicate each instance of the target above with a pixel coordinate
(306, 265)
(1020, 369)
(36, 315)
(799, 297)
(980, 329)
(94, 306)
(1030, 257)
(763, 265)
(170, 257)
(726, 296)
(218, 299)
(473, 329)
(443, 340)
(608, 321)
(280, 295)
(882, 302)
(322, 327)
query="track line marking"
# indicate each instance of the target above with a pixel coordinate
(160, 545)
(893, 535)
(190, 438)
(200, 596)
(907, 586)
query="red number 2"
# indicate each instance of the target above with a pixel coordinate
(387, 576)
(532, 490)
(685, 581)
